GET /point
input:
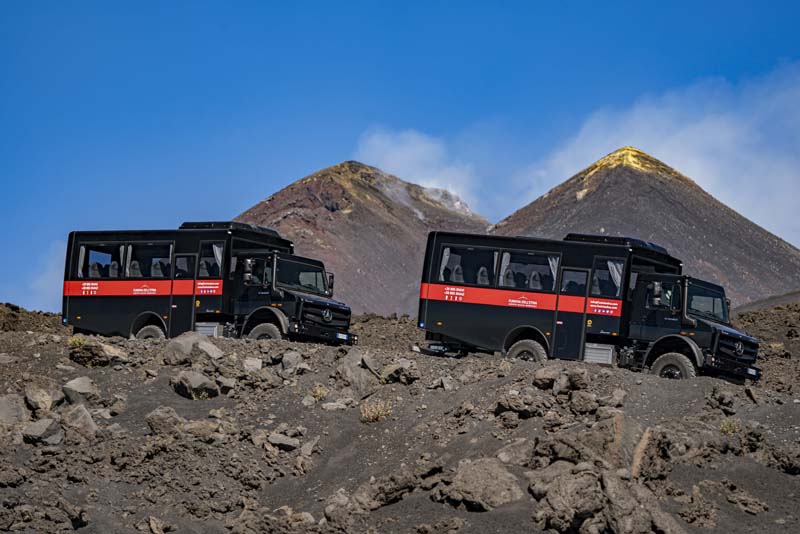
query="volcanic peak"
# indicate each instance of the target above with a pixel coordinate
(633, 158)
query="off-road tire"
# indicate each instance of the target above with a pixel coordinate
(265, 331)
(527, 349)
(150, 331)
(673, 365)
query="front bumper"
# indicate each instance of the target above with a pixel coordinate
(325, 335)
(732, 367)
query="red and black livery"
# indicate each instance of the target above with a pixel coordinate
(597, 298)
(219, 278)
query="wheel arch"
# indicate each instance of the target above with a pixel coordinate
(674, 343)
(526, 332)
(265, 314)
(145, 319)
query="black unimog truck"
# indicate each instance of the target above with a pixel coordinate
(218, 278)
(594, 298)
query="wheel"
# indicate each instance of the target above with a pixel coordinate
(673, 365)
(265, 331)
(527, 349)
(150, 331)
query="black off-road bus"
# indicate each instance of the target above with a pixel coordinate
(612, 300)
(218, 278)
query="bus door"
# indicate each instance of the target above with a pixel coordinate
(571, 314)
(181, 316)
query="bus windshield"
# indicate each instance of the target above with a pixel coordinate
(296, 274)
(707, 302)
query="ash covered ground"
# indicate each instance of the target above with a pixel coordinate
(198, 435)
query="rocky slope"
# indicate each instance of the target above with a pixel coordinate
(201, 435)
(369, 227)
(631, 193)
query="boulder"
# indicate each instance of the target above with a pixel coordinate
(164, 420)
(188, 347)
(481, 485)
(226, 385)
(81, 389)
(403, 371)
(291, 359)
(90, 352)
(354, 374)
(38, 399)
(283, 442)
(582, 402)
(545, 377)
(47, 431)
(194, 385)
(251, 365)
(79, 419)
(12, 410)
(517, 452)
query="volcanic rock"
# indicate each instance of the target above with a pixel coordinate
(46, 430)
(12, 410)
(194, 385)
(188, 346)
(481, 485)
(78, 418)
(81, 389)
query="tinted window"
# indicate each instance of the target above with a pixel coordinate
(100, 261)
(467, 265)
(607, 278)
(573, 283)
(149, 260)
(300, 275)
(708, 302)
(528, 270)
(669, 297)
(184, 266)
(210, 260)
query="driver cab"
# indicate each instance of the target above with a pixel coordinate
(657, 306)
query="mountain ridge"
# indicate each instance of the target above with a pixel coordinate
(370, 226)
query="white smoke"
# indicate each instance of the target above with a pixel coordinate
(419, 158)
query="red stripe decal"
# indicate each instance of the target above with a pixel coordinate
(141, 288)
(492, 297)
(567, 303)
(520, 299)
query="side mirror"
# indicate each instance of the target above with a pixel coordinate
(330, 284)
(247, 271)
(728, 303)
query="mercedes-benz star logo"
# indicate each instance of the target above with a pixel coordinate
(327, 315)
(739, 347)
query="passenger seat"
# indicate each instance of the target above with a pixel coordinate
(458, 275)
(483, 276)
(135, 270)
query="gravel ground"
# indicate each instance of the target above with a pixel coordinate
(199, 435)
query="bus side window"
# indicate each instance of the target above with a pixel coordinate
(607, 278)
(528, 270)
(100, 261)
(468, 266)
(211, 260)
(149, 260)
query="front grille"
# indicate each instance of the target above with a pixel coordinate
(313, 315)
(727, 348)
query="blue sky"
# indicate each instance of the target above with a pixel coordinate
(145, 114)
